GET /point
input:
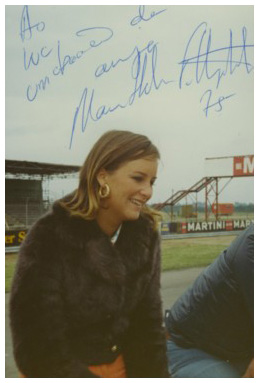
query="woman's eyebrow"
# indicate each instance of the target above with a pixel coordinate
(143, 174)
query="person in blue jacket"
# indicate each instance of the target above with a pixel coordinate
(210, 327)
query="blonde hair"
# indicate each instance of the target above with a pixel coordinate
(111, 150)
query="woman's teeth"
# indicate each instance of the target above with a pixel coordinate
(136, 202)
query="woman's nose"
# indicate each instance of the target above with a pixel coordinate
(147, 192)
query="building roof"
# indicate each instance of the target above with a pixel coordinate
(16, 167)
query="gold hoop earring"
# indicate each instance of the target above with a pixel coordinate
(104, 191)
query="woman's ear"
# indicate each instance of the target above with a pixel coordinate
(101, 177)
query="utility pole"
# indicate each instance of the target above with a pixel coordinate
(172, 215)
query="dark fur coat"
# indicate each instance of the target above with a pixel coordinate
(78, 300)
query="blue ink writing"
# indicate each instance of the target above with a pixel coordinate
(139, 73)
(105, 35)
(141, 15)
(207, 58)
(34, 58)
(26, 27)
(105, 32)
(86, 108)
(66, 60)
(96, 36)
(32, 91)
(143, 73)
(105, 68)
(216, 105)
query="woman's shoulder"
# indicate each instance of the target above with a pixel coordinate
(44, 230)
(39, 235)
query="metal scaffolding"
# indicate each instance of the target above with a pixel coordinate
(238, 166)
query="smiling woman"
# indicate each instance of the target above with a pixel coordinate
(85, 300)
(131, 187)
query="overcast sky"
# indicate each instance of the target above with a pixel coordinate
(183, 75)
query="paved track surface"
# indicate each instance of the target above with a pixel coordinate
(173, 284)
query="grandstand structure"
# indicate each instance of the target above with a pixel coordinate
(26, 196)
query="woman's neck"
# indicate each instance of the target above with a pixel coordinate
(106, 223)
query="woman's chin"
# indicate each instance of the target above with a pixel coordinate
(133, 216)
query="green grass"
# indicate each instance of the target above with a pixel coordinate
(176, 254)
(10, 262)
(192, 252)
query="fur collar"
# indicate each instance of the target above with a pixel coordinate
(112, 262)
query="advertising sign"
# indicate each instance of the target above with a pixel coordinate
(226, 225)
(14, 237)
(243, 166)
(238, 166)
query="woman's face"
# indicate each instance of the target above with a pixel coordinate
(130, 188)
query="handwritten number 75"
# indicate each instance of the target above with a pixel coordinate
(216, 105)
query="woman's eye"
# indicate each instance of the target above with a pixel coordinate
(138, 179)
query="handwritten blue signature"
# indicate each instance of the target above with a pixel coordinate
(201, 61)
(142, 17)
(145, 80)
(88, 110)
(206, 59)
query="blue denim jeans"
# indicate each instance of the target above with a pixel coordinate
(195, 363)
